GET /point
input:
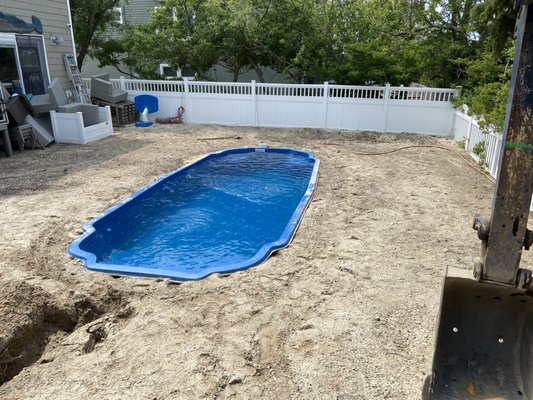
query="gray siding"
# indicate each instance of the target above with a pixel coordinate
(55, 19)
(138, 11)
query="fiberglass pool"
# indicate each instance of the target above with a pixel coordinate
(226, 212)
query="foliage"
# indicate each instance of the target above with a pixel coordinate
(488, 73)
(496, 20)
(440, 43)
(480, 150)
(487, 83)
(91, 20)
(137, 50)
(489, 101)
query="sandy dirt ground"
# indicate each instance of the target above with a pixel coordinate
(347, 311)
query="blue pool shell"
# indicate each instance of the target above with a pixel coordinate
(90, 259)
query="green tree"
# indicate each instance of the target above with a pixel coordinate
(377, 42)
(91, 21)
(496, 20)
(488, 72)
(441, 43)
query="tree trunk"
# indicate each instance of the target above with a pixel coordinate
(83, 47)
(257, 70)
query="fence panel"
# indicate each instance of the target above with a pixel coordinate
(483, 146)
(462, 126)
(223, 103)
(487, 144)
(467, 128)
(422, 94)
(385, 109)
(489, 139)
(214, 88)
(303, 112)
(219, 109)
(420, 110)
(365, 114)
(135, 85)
(289, 90)
(420, 116)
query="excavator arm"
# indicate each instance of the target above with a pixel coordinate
(506, 234)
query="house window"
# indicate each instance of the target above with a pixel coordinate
(120, 14)
(169, 13)
(166, 71)
(32, 62)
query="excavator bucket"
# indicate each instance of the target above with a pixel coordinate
(484, 343)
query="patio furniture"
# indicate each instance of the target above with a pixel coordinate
(69, 127)
(41, 103)
(5, 139)
(4, 120)
(21, 112)
(77, 123)
(24, 137)
(4, 96)
(18, 108)
(102, 89)
(60, 101)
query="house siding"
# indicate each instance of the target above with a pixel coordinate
(138, 11)
(55, 19)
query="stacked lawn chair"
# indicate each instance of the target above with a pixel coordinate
(104, 94)
(60, 101)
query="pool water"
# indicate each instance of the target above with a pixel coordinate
(226, 212)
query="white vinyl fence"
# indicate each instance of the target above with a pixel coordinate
(372, 108)
(382, 109)
(484, 147)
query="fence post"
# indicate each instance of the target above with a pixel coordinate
(254, 103)
(122, 82)
(386, 97)
(496, 156)
(188, 111)
(326, 101)
(469, 131)
(452, 122)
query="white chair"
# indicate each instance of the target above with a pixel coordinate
(61, 104)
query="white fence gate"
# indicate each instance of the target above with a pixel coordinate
(383, 109)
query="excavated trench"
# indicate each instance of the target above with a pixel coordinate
(34, 320)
